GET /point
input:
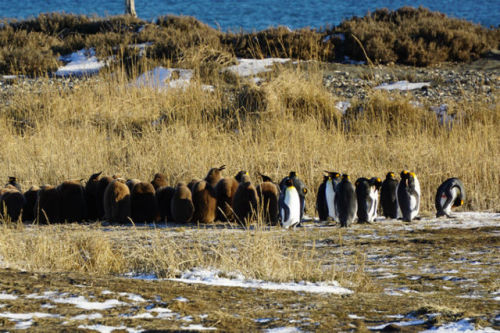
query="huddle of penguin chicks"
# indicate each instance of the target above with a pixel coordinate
(232, 199)
(342, 201)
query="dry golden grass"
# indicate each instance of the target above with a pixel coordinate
(106, 125)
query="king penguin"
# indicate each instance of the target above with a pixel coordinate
(325, 200)
(388, 199)
(300, 187)
(346, 204)
(367, 197)
(408, 195)
(289, 205)
(451, 193)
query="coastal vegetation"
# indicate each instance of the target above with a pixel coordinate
(413, 36)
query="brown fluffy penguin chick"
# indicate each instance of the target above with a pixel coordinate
(269, 193)
(224, 193)
(182, 204)
(102, 184)
(131, 183)
(143, 202)
(204, 202)
(73, 206)
(164, 199)
(117, 201)
(91, 196)
(192, 183)
(159, 180)
(11, 202)
(30, 202)
(245, 200)
(47, 207)
(214, 175)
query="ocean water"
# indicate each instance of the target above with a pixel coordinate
(251, 15)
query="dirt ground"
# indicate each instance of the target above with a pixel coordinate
(415, 276)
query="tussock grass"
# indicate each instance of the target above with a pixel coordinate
(414, 36)
(256, 253)
(407, 35)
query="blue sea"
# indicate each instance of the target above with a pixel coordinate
(248, 15)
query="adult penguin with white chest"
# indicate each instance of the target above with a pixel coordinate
(346, 203)
(300, 187)
(290, 205)
(325, 200)
(367, 197)
(388, 194)
(451, 193)
(408, 195)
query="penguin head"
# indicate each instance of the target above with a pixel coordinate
(289, 182)
(404, 174)
(377, 182)
(345, 177)
(265, 178)
(292, 174)
(458, 202)
(215, 174)
(390, 175)
(12, 179)
(240, 175)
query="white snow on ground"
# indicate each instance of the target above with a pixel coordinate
(82, 303)
(399, 323)
(211, 277)
(79, 63)
(107, 329)
(5, 296)
(403, 85)
(198, 328)
(247, 67)
(27, 316)
(460, 326)
(283, 330)
(353, 316)
(91, 316)
(342, 106)
(133, 297)
(181, 299)
(461, 220)
(25, 320)
(161, 78)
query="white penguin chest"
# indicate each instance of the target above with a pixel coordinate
(330, 198)
(292, 201)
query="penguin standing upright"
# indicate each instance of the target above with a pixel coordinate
(408, 195)
(269, 193)
(300, 187)
(290, 205)
(367, 197)
(451, 193)
(245, 200)
(388, 195)
(325, 200)
(346, 203)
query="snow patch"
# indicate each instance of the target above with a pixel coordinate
(399, 323)
(342, 106)
(285, 329)
(402, 85)
(133, 297)
(212, 277)
(107, 329)
(80, 63)
(91, 316)
(27, 316)
(5, 297)
(162, 78)
(181, 299)
(247, 67)
(198, 328)
(82, 303)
